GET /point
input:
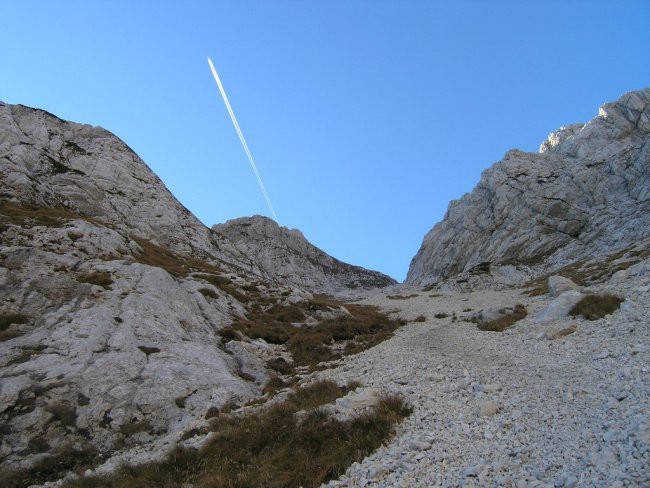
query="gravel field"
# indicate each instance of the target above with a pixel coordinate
(518, 408)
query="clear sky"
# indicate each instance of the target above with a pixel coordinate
(365, 117)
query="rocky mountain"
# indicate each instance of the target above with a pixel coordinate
(587, 192)
(279, 253)
(114, 296)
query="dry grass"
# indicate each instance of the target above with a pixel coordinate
(208, 293)
(7, 320)
(30, 216)
(508, 320)
(63, 413)
(99, 278)
(596, 306)
(401, 297)
(441, 315)
(52, 467)
(365, 327)
(270, 448)
(280, 365)
(420, 318)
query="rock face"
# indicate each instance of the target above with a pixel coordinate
(113, 296)
(284, 255)
(587, 191)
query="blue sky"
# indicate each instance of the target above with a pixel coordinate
(365, 117)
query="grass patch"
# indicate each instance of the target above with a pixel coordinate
(270, 448)
(52, 467)
(149, 350)
(32, 215)
(100, 278)
(280, 365)
(208, 292)
(9, 319)
(401, 297)
(228, 334)
(63, 413)
(420, 318)
(596, 306)
(441, 315)
(364, 327)
(508, 320)
(136, 427)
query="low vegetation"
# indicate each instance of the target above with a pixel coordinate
(364, 327)
(8, 319)
(99, 278)
(507, 320)
(420, 318)
(51, 467)
(401, 297)
(271, 447)
(441, 315)
(30, 216)
(596, 306)
(585, 273)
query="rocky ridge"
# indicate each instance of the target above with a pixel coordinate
(585, 193)
(282, 254)
(114, 298)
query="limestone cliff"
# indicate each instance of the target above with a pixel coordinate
(586, 192)
(283, 254)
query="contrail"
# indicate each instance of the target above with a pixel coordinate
(241, 138)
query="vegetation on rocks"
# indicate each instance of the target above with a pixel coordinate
(271, 447)
(507, 320)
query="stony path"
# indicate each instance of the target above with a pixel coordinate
(513, 408)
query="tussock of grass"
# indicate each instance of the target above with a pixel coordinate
(508, 320)
(420, 318)
(100, 278)
(596, 306)
(208, 292)
(441, 315)
(51, 467)
(280, 365)
(9, 319)
(401, 297)
(63, 413)
(270, 448)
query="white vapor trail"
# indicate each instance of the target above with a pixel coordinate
(241, 138)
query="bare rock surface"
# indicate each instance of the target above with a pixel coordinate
(585, 192)
(284, 255)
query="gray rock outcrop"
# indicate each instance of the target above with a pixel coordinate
(284, 255)
(113, 296)
(586, 192)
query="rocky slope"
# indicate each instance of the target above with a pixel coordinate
(282, 254)
(545, 404)
(585, 193)
(113, 298)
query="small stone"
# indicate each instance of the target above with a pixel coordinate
(488, 408)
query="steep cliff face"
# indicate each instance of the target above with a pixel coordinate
(284, 255)
(586, 192)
